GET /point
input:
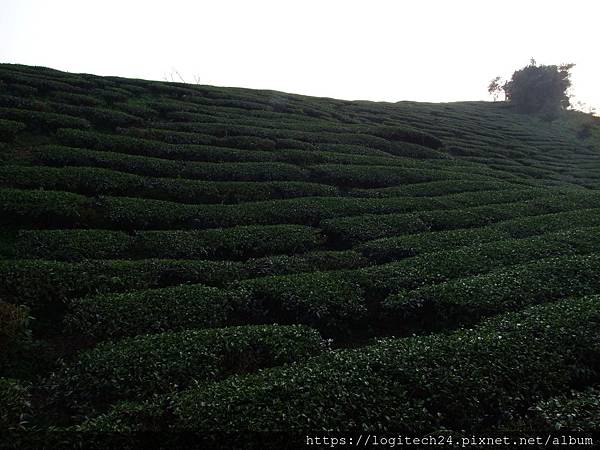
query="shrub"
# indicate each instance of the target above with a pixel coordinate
(42, 84)
(153, 311)
(227, 243)
(137, 108)
(411, 150)
(13, 323)
(9, 129)
(176, 137)
(468, 299)
(407, 134)
(577, 411)
(73, 245)
(404, 246)
(307, 262)
(433, 188)
(545, 223)
(42, 121)
(141, 165)
(145, 147)
(43, 209)
(143, 366)
(368, 227)
(374, 176)
(446, 381)
(441, 266)
(320, 299)
(389, 249)
(76, 99)
(15, 404)
(101, 117)
(66, 210)
(48, 284)
(96, 181)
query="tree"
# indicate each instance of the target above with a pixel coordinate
(495, 87)
(536, 88)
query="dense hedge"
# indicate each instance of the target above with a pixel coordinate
(436, 267)
(143, 147)
(389, 249)
(14, 337)
(264, 135)
(40, 283)
(96, 181)
(154, 310)
(140, 165)
(370, 227)
(100, 117)
(375, 176)
(406, 134)
(56, 209)
(227, 243)
(433, 188)
(44, 208)
(42, 121)
(76, 99)
(249, 142)
(144, 366)
(320, 299)
(467, 299)
(13, 323)
(576, 411)
(468, 380)
(15, 404)
(9, 129)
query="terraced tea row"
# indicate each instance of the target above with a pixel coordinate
(56, 209)
(334, 302)
(174, 255)
(442, 366)
(47, 285)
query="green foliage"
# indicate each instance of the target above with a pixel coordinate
(389, 249)
(143, 366)
(135, 146)
(466, 300)
(13, 323)
(577, 411)
(93, 181)
(141, 165)
(429, 269)
(15, 404)
(282, 204)
(38, 121)
(539, 88)
(9, 129)
(374, 176)
(228, 243)
(320, 299)
(101, 117)
(42, 284)
(154, 310)
(369, 227)
(468, 380)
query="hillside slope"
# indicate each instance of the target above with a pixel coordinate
(170, 240)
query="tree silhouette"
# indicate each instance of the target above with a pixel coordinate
(536, 88)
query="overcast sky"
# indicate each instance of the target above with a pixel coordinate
(423, 50)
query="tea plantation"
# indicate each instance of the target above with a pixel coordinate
(180, 258)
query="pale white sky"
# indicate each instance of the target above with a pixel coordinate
(423, 50)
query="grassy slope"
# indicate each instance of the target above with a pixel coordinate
(267, 208)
